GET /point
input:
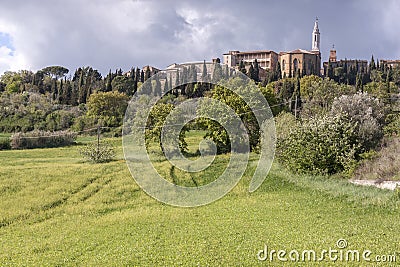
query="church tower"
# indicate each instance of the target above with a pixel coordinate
(316, 37)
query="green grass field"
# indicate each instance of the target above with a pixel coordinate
(58, 210)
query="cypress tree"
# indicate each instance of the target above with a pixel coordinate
(177, 82)
(184, 80)
(157, 88)
(277, 72)
(194, 74)
(166, 88)
(170, 83)
(256, 71)
(372, 65)
(109, 80)
(147, 74)
(226, 72)
(142, 76)
(217, 73)
(81, 89)
(61, 91)
(242, 67)
(250, 74)
(204, 73)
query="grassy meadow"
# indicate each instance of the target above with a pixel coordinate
(58, 210)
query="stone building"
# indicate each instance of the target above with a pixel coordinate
(266, 59)
(303, 61)
(360, 65)
(299, 60)
(307, 62)
(390, 63)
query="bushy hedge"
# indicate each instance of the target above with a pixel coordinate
(5, 144)
(42, 139)
(323, 145)
(332, 142)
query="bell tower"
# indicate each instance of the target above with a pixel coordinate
(316, 37)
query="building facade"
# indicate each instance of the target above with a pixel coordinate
(303, 61)
(266, 59)
(306, 61)
(300, 61)
(360, 65)
(390, 63)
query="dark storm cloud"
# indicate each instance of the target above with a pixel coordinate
(113, 34)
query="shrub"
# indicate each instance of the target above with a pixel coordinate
(393, 127)
(284, 123)
(84, 122)
(367, 113)
(42, 139)
(5, 144)
(323, 145)
(98, 152)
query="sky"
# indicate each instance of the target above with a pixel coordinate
(115, 34)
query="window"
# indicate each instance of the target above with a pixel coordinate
(295, 65)
(283, 64)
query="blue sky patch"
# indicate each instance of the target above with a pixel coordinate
(5, 40)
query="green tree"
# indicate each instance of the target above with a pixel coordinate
(372, 65)
(55, 72)
(147, 74)
(256, 74)
(109, 80)
(157, 87)
(242, 67)
(220, 92)
(204, 74)
(166, 85)
(250, 73)
(123, 84)
(109, 107)
(217, 73)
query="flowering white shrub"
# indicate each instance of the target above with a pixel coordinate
(98, 152)
(367, 113)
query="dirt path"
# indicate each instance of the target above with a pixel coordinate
(391, 185)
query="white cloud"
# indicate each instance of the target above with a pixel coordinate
(124, 33)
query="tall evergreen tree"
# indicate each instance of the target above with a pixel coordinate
(109, 80)
(277, 72)
(184, 80)
(250, 73)
(242, 67)
(166, 86)
(372, 65)
(193, 75)
(226, 72)
(81, 89)
(204, 75)
(217, 73)
(170, 83)
(142, 76)
(256, 71)
(147, 74)
(157, 88)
